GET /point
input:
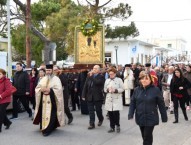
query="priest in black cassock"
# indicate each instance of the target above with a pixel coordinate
(49, 111)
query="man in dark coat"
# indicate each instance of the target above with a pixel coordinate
(64, 80)
(93, 93)
(73, 78)
(22, 83)
(79, 88)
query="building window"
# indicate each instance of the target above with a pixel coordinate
(141, 58)
(108, 57)
(146, 58)
(132, 60)
(138, 59)
(169, 45)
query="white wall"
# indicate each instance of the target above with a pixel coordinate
(125, 51)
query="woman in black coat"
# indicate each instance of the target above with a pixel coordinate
(178, 88)
(145, 102)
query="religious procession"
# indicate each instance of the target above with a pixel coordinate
(45, 95)
(68, 75)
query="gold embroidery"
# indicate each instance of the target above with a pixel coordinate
(47, 84)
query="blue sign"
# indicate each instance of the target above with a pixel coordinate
(134, 49)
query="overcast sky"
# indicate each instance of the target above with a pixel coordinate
(158, 18)
(161, 18)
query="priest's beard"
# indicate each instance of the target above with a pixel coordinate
(50, 76)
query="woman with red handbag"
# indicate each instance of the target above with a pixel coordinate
(178, 88)
(5, 98)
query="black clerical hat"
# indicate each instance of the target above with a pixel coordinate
(147, 64)
(49, 66)
(128, 65)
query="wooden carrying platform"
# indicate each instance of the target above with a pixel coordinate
(86, 66)
(80, 68)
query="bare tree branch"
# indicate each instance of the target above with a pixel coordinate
(78, 2)
(3, 27)
(89, 3)
(97, 3)
(104, 4)
(33, 28)
(16, 14)
(38, 33)
(4, 24)
(18, 17)
(21, 6)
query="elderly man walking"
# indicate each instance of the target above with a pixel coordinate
(93, 93)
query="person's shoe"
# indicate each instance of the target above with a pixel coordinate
(46, 134)
(111, 130)
(118, 129)
(171, 112)
(70, 120)
(7, 126)
(13, 117)
(176, 121)
(30, 114)
(73, 110)
(100, 123)
(91, 127)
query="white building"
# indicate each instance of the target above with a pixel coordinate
(178, 45)
(130, 51)
(155, 50)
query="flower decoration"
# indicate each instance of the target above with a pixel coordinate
(89, 27)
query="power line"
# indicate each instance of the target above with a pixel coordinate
(165, 21)
(151, 21)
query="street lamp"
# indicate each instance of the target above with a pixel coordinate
(161, 57)
(116, 48)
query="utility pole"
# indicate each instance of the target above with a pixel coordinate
(28, 38)
(9, 41)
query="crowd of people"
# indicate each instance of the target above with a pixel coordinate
(51, 90)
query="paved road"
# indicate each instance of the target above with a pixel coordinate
(23, 132)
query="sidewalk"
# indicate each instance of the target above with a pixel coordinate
(23, 132)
